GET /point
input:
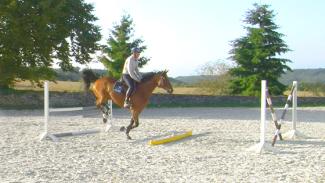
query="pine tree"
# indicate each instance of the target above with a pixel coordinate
(119, 45)
(36, 34)
(257, 54)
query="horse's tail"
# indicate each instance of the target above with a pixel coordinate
(88, 77)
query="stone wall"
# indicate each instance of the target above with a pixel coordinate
(66, 99)
(36, 100)
(227, 101)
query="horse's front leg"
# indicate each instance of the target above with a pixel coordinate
(128, 129)
(106, 111)
(102, 109)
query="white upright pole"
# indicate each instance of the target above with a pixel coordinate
(294, 133)
(46, 105)
(262, 144)
(46, 114)
(294, 106)
(263, 112)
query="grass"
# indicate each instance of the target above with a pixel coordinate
(63, 86)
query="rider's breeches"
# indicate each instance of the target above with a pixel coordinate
(131, 85)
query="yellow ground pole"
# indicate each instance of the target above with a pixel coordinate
(170, 139)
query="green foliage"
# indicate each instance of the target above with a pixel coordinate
(317, 89)
(256, 55)
(119, 47)
(35, 34)
(218, 81)
(216, 86)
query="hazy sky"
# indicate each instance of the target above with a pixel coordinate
(183, 35)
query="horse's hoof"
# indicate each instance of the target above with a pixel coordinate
(129, 138)
(122, 129)
(104, 120)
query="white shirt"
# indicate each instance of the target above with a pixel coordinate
(131, 68)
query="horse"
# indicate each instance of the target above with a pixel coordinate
(103, 89)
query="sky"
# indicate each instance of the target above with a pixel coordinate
(183, 35)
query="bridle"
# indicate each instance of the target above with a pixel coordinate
(163, 82)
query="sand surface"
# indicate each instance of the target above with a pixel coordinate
(217, 151)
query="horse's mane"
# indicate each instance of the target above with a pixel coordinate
(149, 75)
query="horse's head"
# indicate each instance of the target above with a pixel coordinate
(163, 82)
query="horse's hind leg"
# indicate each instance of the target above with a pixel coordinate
(136, 123)
(128, 129)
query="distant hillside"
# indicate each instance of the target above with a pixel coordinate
(300, 75)
(189, 80)
(177, 82)
(304, 75)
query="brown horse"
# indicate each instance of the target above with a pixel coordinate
(103, 91)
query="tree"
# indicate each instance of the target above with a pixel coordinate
(216, 78)
(256, 54)
(34, 35)
(119, 45)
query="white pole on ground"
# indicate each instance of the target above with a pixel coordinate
(86, 132)
(46, 114)
(262, 144)
(294, 133)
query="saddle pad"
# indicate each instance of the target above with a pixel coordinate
(119, 87)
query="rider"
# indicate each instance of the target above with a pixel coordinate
(131, 74)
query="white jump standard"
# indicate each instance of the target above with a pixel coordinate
(47, 110)
(262, 145)
(266, 98)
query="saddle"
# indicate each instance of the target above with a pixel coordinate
(120, 86)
